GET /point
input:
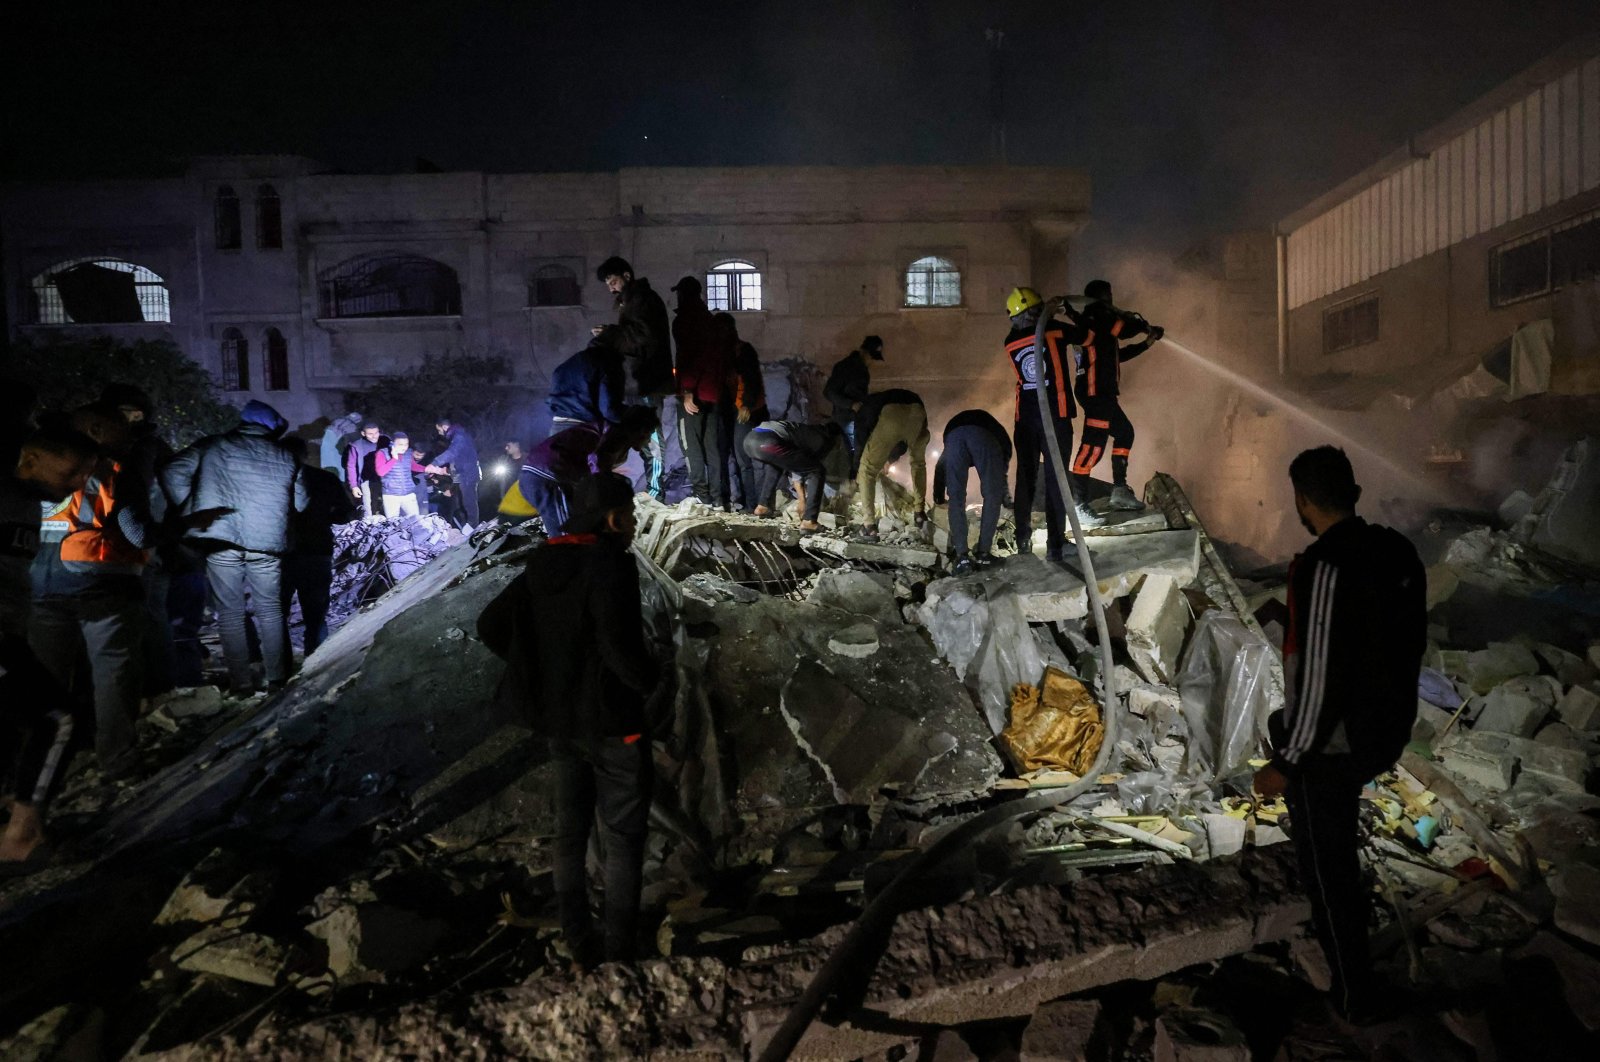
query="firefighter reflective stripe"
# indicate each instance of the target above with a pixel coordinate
(53, 522)
(1120, 451)
(1088, 457)
(1091, 422)
(1025, 363)
(89, 546)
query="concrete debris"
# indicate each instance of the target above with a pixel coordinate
(237, 954)
(1569, 669)
(1199, 1036)
(1497, 663)
(376, 938)
(947, 1045)
(1060, 1031)
(1519, 706)
(1564, 516)
(1156, 628)
(217, 888)
(199, 702)
(901, 556)
(869, 594)
(857, 641)
(1579, 708)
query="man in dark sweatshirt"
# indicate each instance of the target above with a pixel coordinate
(973, 439)
(555, 466)
(571, 631)
(644, 335)
(308, 566)
(847, 387)
(705, 362)
(587, 388)
(780, 448)
(1357, 630)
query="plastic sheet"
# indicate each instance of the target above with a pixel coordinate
(982, 634)
(1225, 682)
(1435, 688)
(1058, 726)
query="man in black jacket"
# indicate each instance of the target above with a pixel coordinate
(571, 631)
(847, 388)
(587, 387)
(256, 484)
(308, 566)
(1351, 656)
(644, 333)
(973, 439)
(1099, 386)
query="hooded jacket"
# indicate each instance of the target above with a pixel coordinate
(246, 471)
(588, 386)
(705, 353)
(571, 631)
(460, 453)
(848, 383)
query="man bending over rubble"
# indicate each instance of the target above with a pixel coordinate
(1357, 631)
(886, 422)
(555, 466)
(973, 439)
(787, 447)
(572, 634)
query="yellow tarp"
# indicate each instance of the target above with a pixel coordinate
(1056, 725)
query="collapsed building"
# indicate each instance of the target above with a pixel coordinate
(898, 792)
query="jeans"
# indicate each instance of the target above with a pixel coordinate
(186, 609)
(467, 488)
(609, 781)
(1032, 452)
(746, 467)
(310, 577)
(702, 445)
(232, 573)
(967, 448)
(103, 632)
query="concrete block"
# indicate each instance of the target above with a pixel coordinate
(946, 1046)
(1570, 669)
(1481, 764)
(1199, 1036)
(1496, 663)
(1563, 770)
(867, 594)
(1060, 1031)
(253, 958)
(1224, 834)
(1156, 627)
(1579, 708)
(1519, 706)
(1558, 735)
(857, 641)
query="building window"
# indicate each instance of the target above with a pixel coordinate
(277, 360)
(229, 237)
(733, 286)
(555, 285)
(404, 285)
(98, 291)
(269, 218)
(1543, 261)
(235, 361)
(1350, 324)
(933, 281)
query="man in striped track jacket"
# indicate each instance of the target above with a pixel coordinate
(1357, 632)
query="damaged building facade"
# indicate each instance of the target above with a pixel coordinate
(295, 285)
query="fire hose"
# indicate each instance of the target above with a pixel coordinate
(884, 908)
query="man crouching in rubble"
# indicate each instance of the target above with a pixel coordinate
(1357, 632)
(579, 672)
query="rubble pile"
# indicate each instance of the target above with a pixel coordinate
(370, 556)
(358, 866)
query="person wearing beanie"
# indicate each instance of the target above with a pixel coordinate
(580, 674)
(254, 485)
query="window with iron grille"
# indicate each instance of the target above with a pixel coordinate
(405, 285)
(733, 286)
(933, 281)
(229, 237)
(1350, 324)
(235, 361)
(555, 285)
(1539, 263)
(98, 291)
(269, 218)
(277, 350)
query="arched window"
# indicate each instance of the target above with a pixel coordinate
(933, 281)
(733, 286)
(269, 218)
(98, 291)
(554, 285)
(229, 237)
(277, 350)
(400, 285)
(235, 361)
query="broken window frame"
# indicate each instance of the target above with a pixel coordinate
(378, 286)
(932, 282)
(235, 360)
(225, 210)
(46, 308)
(275, 360)
(1354, 322)
(1546, 260)
(555, 286)
(269, 219)
(734, 286)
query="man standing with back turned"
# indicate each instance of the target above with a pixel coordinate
(1357, 631)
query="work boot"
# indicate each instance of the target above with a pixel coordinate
(1087, 517)
(964, 565)
(865, 533)
(1123, 501)
(1024, 539)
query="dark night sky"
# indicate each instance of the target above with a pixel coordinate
(1190, 117)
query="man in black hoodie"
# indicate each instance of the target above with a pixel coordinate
(571, 631)
(644, 334)
(1357, 630)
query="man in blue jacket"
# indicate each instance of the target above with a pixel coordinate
(571, 630)
(587, 388)
(460, 458)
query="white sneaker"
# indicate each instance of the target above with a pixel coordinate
(1087, 517)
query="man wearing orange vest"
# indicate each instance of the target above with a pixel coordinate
(1099, 386)
(88, 598)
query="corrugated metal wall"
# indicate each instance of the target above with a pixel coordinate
(1535, 153)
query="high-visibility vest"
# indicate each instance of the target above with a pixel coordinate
(91, 544)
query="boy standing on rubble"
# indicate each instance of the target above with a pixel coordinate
(571, 631)
(1357, 631)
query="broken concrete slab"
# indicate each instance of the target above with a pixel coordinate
(1579, 708)
(198, 702)
(1487, 761)
(1519, 706)
(218, 887)
(1567, 511)
(1156, 627)
(1569, 668)
(899, 556)
(1189, 1035)
(1497, 663)
(237, 954)
(1060, 1031)
(869, 594)
(1560, 769)
(857, 641)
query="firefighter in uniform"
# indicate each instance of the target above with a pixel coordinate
(1052, 372)
(1099, 377)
